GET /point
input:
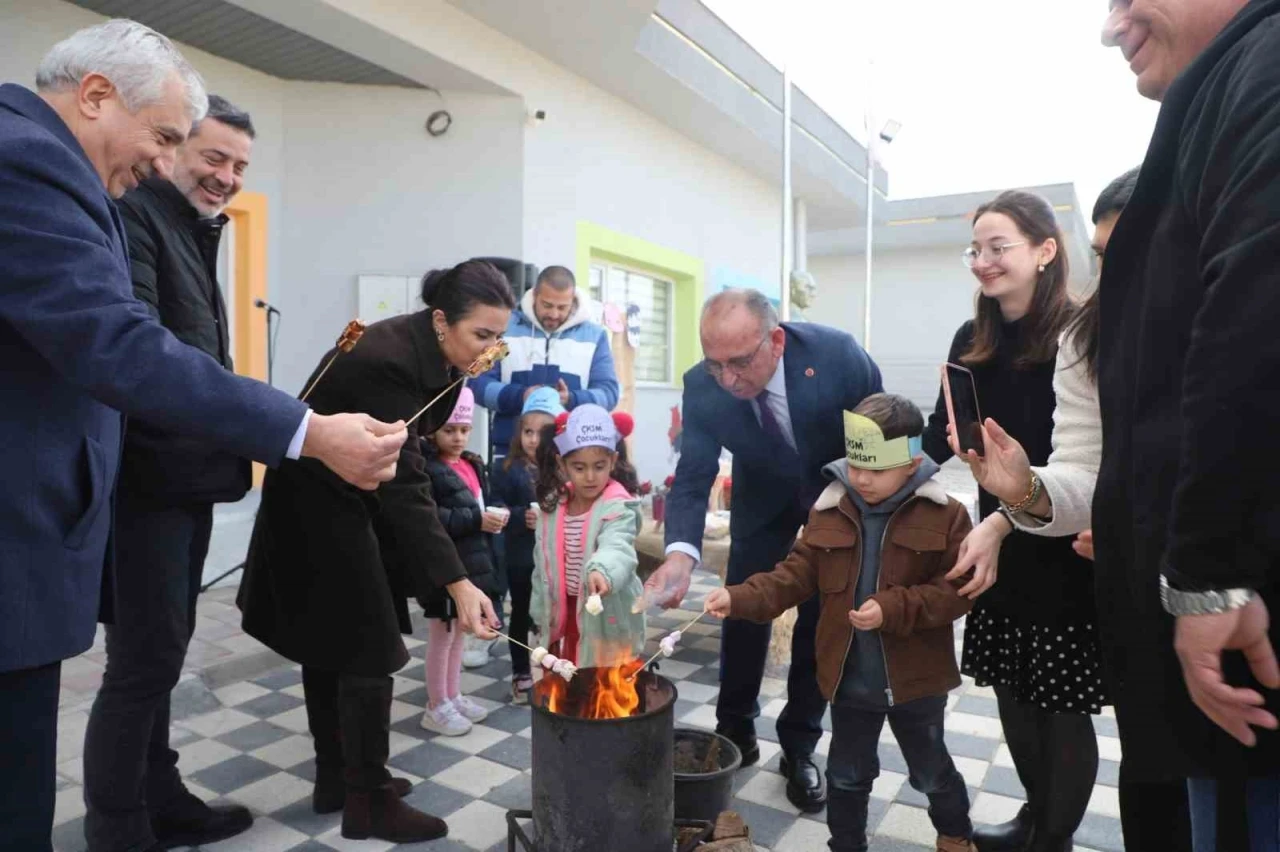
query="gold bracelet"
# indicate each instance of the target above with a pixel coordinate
(1033, 495)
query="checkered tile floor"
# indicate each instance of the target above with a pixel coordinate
(247, 743)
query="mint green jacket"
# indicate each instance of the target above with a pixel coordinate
(616, 634)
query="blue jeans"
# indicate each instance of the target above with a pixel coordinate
(1262, 797)
(853, 766)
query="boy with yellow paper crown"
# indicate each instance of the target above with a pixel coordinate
(877, 546)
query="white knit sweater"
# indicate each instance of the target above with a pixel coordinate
(1072, 471)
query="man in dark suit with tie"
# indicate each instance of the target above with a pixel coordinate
(774, 396)
(112, 104)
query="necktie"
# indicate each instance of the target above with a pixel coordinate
(769, 423)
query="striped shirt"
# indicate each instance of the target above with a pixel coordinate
(575, 557)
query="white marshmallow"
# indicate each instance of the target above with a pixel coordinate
(537, 655)
(674, 636)
(549, 661)
(594, 606)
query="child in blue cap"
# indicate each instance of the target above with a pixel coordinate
(513, 487)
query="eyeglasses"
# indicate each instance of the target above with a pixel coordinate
(737, 366)
(971, 254)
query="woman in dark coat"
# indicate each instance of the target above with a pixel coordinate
(330, 568)
(1033, 636)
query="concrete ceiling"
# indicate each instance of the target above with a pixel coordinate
(227, 30)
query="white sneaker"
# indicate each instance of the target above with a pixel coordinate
(445, 720)
(470, 709)
(475, 652)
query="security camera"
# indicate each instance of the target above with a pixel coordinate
(540, 115)
(891, 129)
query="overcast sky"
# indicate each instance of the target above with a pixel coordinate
(991, 93)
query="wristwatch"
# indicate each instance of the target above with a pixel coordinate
(1213, 602)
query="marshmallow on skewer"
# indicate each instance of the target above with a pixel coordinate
(549, 661)
(668, 643)
(567, 670)
(537, 655)
(593, 605)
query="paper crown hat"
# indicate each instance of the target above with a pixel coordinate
(591, 426)
(866, 447)
(465, 408)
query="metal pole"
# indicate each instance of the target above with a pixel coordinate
(866, 296)
(800, 247)
(871, 189)
(787, 235)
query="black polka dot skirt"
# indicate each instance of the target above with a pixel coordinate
(1056, 668)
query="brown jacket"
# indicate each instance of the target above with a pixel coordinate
(921, 544)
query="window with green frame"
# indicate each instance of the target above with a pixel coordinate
(616, 284)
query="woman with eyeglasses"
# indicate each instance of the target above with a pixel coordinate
(1032, 637)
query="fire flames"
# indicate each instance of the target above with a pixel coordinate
(607, 692)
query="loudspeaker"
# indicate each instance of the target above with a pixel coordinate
(520, 275)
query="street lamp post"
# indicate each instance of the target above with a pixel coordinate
(887, 134)
(787, 234)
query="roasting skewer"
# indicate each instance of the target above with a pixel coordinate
(564, 668)
(662, 649)
(483, 364)
(346, 342)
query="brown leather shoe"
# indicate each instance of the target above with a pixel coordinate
(331, 792)
(383, 815)
(955, 844)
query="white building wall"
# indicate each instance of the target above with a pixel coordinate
(495, 184)
(596, 158)
(367, 191)
(920, 297)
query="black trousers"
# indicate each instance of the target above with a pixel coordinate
(521, 582)
(1154, 815)
(130, 771)
(28, 754)
(350, 721)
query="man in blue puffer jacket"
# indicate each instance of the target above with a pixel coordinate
(552, 344)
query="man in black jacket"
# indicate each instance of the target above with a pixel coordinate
(1186, 500)
(164, 516)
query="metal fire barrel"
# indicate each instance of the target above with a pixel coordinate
(605, 784)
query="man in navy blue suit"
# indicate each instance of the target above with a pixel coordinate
(113, 102)
(774, 395)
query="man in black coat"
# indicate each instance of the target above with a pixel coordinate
(168, 486)
(1186, 507)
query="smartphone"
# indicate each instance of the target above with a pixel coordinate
(962, 407)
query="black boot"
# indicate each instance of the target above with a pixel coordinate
(187, 821)
(372, 805)
(1021, 725)
(1070, 751)
(381, 813)
(1012, 836)
(330, 792)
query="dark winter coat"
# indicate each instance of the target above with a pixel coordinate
(1042, 580)
(1188, 364)
(173, 257)
(330, 567)
(514, 488)
(461, 516)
